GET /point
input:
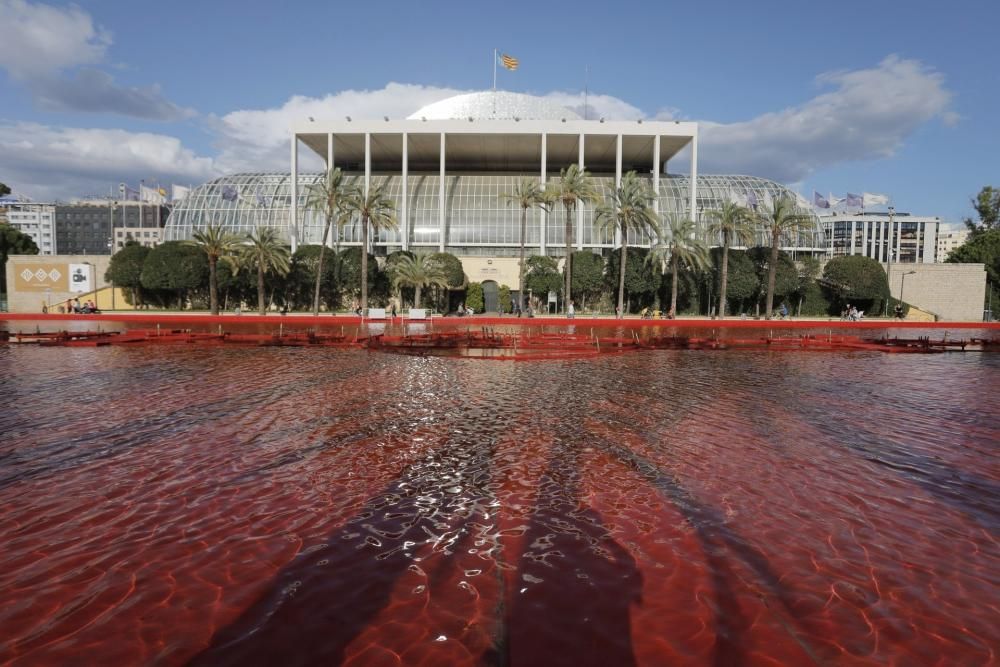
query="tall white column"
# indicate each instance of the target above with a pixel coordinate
(330, 241)
(864, 239)
(694, 179)
(656, 174)
(368, 179)
(406, 193)
(579, 205)
(541, 181)
(293, 211)
(618, 180)
(854, 231)
(441, 211)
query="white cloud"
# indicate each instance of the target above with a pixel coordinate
(46, 162)
(256, 139)
(868, 115)
(40, 43)
(861, 115)
(38, 39)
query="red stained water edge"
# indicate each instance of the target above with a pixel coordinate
(186, 505)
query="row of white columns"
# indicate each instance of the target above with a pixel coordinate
(296, 238)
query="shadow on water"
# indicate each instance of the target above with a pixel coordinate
(576, 584)
(323, 600)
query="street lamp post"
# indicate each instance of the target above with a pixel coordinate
(888, 266)
(902, 284)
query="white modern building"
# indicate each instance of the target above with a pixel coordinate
(884, 236)
(448, 165)
(36, 221)
(949, 240)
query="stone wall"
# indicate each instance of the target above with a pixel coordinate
(52, 280)
(952, 292)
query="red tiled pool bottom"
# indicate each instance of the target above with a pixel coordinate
(215, 506)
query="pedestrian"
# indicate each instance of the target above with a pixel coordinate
(571, 311)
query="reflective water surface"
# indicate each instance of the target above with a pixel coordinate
(178, 505)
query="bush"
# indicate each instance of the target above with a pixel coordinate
(474, 297)
(858, 280)
(504, 298)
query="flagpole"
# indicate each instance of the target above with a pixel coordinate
(495, 70)
(586, 89)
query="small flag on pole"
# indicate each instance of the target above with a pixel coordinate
(510, 62)
(819, 201)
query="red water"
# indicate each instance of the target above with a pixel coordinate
(317, 506)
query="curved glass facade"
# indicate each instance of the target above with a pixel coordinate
(477, 218)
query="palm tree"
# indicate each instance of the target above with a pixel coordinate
(327, 197)
(526, 194)
(266, 251)
(683, 247)
(376, 210)
(574, 186)
(629, 208)
(734, 223)
(418, 272)
(781, 219)
(217, 244)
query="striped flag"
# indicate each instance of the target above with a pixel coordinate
(510, 62)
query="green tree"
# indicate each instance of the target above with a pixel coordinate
(809, 270)
(328, 197)
(418, 272)
(743, 283)
(781, 220)
(13, 242)
(858, 280)
(732, 223)
(629, 208)
(267, 253)
(528, 193)
(376, 211)
(588, 276)
(503, 296)
(786, 274)
(301, 280)
(573, 188)
(987, 205)
(455, 274)
(543, 276)
(642, 277)
(352, 262)
(681, 247)
(218, 244)
(982, 246)
(176, 266)
(4, 189)
(474, 297)
(389, 268)
(125, 269)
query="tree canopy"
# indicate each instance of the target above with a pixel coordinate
(987, 205)
(4, 189)
(176, 266)
(543, 276)
(13, 242)
(588, 275)
(125, 269)
(856, 279)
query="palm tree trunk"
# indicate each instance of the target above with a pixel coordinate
(319, 266)
(569, 258)
(621, 278)
(416, 297)
(213, 286)
(364, 266)
(260, 288)
(771, 271)
(725, 277)
(520, 278)
(673, 286)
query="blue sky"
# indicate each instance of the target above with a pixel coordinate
(895, 98)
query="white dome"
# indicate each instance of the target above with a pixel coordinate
(490, 105)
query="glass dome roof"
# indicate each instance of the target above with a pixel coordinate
(494, 105)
